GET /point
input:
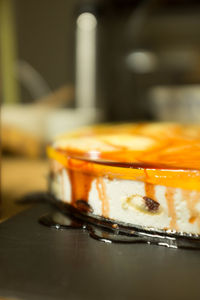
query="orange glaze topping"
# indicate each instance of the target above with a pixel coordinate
(156, 153)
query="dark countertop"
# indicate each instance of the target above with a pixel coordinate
(37, 262)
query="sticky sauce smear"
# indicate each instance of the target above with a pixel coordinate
(80, 186)
(101, 188)
(169, 194)
(192, 198)
(150, 191)
(66, 216)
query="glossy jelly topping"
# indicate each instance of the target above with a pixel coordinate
(156, 153)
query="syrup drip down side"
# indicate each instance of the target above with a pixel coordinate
(146, 175)
(129, 201)
(67, 217)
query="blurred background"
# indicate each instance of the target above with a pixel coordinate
(69, 63)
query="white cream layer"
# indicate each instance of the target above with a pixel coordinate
(125, 202)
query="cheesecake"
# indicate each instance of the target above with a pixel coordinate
(145, 175)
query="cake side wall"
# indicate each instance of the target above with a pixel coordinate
(127, 201)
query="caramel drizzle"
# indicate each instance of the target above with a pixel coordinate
(80, 188)
(192, 200)
(101, 188)
(80, 185)
(149, 188)
(169, 194)
(150, 191)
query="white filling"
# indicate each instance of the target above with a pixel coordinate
(125, 203)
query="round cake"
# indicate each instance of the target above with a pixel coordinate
(145, 174)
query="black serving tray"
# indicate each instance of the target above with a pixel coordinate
(37, 262)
